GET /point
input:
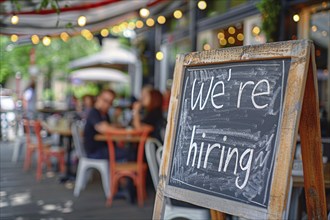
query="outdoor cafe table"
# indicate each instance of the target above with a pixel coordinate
(63, 129)
(127, 138)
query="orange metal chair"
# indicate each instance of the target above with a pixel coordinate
(46, 151)
(30, 147)
(136, 170)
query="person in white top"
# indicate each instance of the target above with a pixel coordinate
(29, 100)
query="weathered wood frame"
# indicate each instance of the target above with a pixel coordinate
(300, 99)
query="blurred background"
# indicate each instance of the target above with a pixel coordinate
(74, 48)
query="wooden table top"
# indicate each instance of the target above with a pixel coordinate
(298, 181)
(128, 138)
(60, 128)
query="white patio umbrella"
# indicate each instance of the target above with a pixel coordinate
(99, 74)
(111, 55)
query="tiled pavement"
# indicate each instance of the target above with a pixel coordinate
(22, 197)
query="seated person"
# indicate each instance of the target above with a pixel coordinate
(153, 118)
(97, 122)
(87, 105)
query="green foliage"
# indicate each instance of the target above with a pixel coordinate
(86, 89)
(269, 10)
(47, 94)
(43, 5)
(13, 59)
(55, 57)
(59, 53)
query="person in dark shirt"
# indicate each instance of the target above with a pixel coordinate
(97, 122)
(87, 105)
(153, 117)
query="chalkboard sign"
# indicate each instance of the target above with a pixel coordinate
(228, 124)
(232, 128)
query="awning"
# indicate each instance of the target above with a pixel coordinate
(99, 74)
(99, 14)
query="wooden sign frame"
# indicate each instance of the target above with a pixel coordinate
(300, 105)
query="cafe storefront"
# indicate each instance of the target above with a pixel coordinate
(222, 24)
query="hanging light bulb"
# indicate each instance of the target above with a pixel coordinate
(240, 37)
(231, 30)
(177, 14)
(64, 36)
(115, 29)
(223, 42)
(46, 41)
(139, 24)
(14, 38)
(159, 55)
(104, 32)
(221, 35)
(82, 20)
(202, 5)
(35, 39)
(14, 19)
(206, 47)
(256, 30)
(87, 34)
(144, 12)
(150, 22)
(296, 18)
(231, 40)
(131, 25)
(161, 19)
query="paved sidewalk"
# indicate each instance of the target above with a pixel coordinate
(22, 197)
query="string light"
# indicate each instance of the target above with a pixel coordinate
(159, 55)
(82, 20)
(123, 26)
(139, 24)
(14, 38)
(64, 36)
(231, 40)
(296, 18)
(115, 29)
(206, 47)
(161, 19)
(131, 25)
(314, 28)
(221, 35)
(202, 5)
(256, 30)
(177, 14)
(84, 32)
(46, 41)
(324, 33)
(87, 34)
(231, 30)
(35, 39)
(150, 22)
(240, 37)
(104, 32)
(223, 42)
(144, 12)
(14, 19)
(89, 37)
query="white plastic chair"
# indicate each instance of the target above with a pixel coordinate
(85, 164)
(153, 150)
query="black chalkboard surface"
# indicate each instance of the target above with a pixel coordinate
(227, 127)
